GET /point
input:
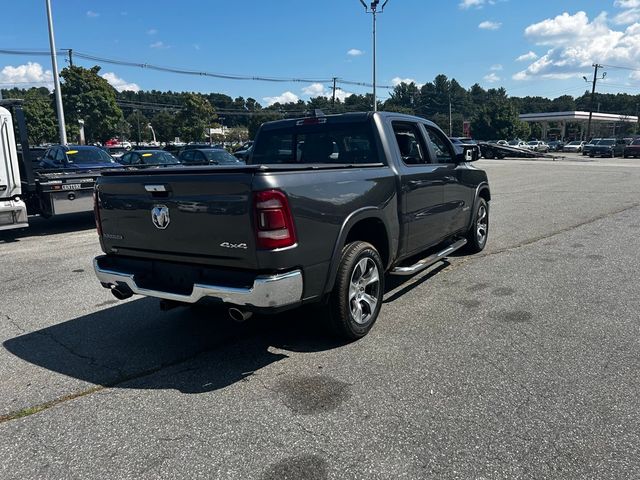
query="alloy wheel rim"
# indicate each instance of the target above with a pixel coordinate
(364, 289)
(482, 225)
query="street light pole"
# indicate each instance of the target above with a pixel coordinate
(593, 95)
(56, 78)
(374, 11)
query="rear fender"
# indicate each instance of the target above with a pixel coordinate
(348, 224)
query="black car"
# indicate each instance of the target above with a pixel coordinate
(77, 157)
(632, 149)
(588, 146)
(244, 153)
(608, 147)
(148, 158)
(555, 146)
(208, 156)
(466, 143)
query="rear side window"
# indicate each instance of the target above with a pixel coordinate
(410, 143)
(349, 143)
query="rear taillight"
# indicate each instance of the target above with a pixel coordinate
(96, 212)
(274, 223)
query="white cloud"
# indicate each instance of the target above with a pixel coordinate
(196, 46)
(152, 31)
(28, 75)
(488, 25)
(575, 42)
(119, 83)
(491, 78)
(527, 56)
(466, 4)
(627, 16)
(286, 97)
(627, 3)
(397, 81)
(314, 90)
(354, 52)
(158, 44)
(92, 14)
(496, 68)
(319, 90)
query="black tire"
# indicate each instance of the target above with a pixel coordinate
(351, 292)
(489, 154)
(475, 240)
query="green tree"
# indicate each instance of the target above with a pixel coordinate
(41, 119)
(164, 125)
(138, 125)
(89, 97)
(196, 116)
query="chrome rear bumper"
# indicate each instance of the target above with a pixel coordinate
(268, 291)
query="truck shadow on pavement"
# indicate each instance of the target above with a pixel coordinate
(39, 226)
(193, 350)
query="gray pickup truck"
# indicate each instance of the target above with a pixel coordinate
(324, 208)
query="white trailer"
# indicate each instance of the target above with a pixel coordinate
(13, 210)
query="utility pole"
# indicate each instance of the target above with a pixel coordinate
(450, 124)
(333, 97)
(70, 53)
(593, 95)
(374, 11)
(56, 78)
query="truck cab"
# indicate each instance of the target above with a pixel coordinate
(13, 210)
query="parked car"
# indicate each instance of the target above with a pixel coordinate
(148, 158)
(632, 150)
(283, 232)
(574, 146)
(555, 145)
(467, 143)
(518, 144)
(77, 157)
(608, 147)
(538, 146)
(588, 146)
(208, 156)
(243, 154)
(116, 152)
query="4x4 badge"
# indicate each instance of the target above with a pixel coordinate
(160, 216)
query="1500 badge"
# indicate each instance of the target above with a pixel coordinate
(234, 245)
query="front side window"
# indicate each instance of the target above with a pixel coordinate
(440, 146)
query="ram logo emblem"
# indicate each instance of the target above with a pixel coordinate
(160, 216)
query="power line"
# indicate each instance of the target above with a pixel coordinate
(182, 71)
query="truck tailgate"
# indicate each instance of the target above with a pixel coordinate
(196, 216)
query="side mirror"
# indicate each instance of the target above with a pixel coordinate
(465, 156)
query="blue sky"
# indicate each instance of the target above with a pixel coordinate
(471, 40)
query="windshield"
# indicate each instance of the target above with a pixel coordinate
(636, 142)
(608, 141)
(221, 157)
(574, 143)
(88, 155)
(514, 142)
(159, 158)
(595, 141)
(533, 143)
(342, 143)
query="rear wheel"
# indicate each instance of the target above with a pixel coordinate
(479, 231)
(357, 295)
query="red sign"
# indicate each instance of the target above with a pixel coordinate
(466, 129)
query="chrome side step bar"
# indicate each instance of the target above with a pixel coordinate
(430, 260)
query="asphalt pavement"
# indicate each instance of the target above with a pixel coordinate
(520, 362)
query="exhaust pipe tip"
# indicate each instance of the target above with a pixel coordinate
(238, 315)
(121, 294)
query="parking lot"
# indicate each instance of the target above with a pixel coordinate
(520, 362)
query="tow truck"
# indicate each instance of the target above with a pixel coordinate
(25, 188)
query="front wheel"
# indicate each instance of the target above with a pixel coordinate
(357, 296)
(479, 231)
